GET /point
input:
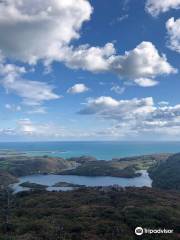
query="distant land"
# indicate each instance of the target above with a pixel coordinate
(13, 166)
(163, 168)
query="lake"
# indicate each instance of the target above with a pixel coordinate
(50, 180)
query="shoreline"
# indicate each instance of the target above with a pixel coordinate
(125, 169)
(56, 182)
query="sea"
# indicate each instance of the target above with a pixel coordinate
(104, 150)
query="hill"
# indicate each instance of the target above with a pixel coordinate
(166, 174)
(26, 165)
(6, 179)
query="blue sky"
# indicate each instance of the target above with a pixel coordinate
(87, 70)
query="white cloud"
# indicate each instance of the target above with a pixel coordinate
(8, 106)
(155, 7)
(143, 62)
(37, 29)
(117, 89)
(145, 82)
(37, 110)
(135, 117)
(94, 59)
(173, 28)
(78, 88)
(32, 92)
(53, 25)
(27, 128)
(7, 132)
(44, 30)
(119, 19)
(108, 107)
(163, 103)
(122, 18)
(13, 107)
(30, 130)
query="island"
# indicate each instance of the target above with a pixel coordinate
(66, 184)
(33, 185)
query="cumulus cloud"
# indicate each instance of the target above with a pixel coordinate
(173, 28)
(155, 7)
(108, 107)
(78, 88)
(142, 64)
(44, 30)
(33, 30)
(135, 116)
(145, 82)
(94, 59)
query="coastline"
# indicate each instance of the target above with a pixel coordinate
(120, 171)
(14, 166)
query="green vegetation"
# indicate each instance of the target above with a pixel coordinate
(102, 168)
(82, 159)
(102, 213)
(65, 184)
(143, 162)
(166, 174)
(89, 214)
(6, 179)
(123, 167)
(25, 165)
(13, 166)
(33, 185)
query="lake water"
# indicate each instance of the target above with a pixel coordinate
(50, 180)
(101, 150)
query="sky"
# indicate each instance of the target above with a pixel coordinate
(89, 70)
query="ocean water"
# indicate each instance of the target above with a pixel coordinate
(101, 150)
